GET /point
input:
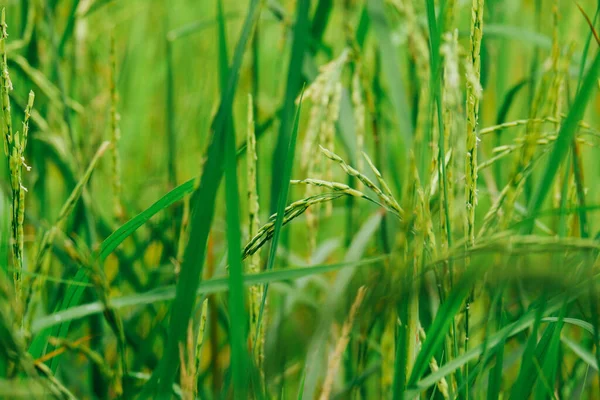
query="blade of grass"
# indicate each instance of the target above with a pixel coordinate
(579, 181)
(526, 320)
(531, 361)
(203, 207)
(282, 201)
(223, 57)
(552, 360)
(441, 324)
(435, 30)
(526, 378)
(495, 374)
(68, 28)
(127, 229)
(320, 20)
(197, 26)
(293, 86)
(237, 312)
(211, 286)
(38, 345)
(75, 292)
(582, 353)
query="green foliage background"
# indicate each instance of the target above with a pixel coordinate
(116, 278)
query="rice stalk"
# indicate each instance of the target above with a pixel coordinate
(442, 384)
(532, 130)
(414, 260)
(387, 343)
(554, 100)
(534, 137)
(325, 94)
(41, 262)
(359, 114)
(473, 95)
(14, 149)
(449, 15)
(79, 347)
(187, 372)
(56, 387)
(451, 95)
(111, 315)
(256, 292)
(419, 52)
(493, 214)
(200, 335)
(115, 132)
(335, 357)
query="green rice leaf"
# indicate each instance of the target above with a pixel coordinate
(211, 286)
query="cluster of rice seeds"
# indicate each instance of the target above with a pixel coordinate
(553, 103)
(385, 198)
(544, 139)
(452, 98)
(583, 126)
(41, 263)
(325, 94)
(291, 212)
(359, 115)
(337, 190)
(548, 93)
(418, 227)
(450, 13)
(335, 357)
(474, 92)
(256, 292)
(6, 85)
(115, 131)
(187, 370)
(200, 335)
(554, 108)
(14, 149)
(442, 384)
(491, 216)
(532, 134)
(473, 97)
(419, 50)
(190, 356)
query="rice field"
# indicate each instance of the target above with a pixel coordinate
(300, 199)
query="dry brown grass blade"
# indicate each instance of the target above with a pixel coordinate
(590, 23)
(60, 350)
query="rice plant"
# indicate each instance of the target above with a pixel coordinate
(300, 199)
